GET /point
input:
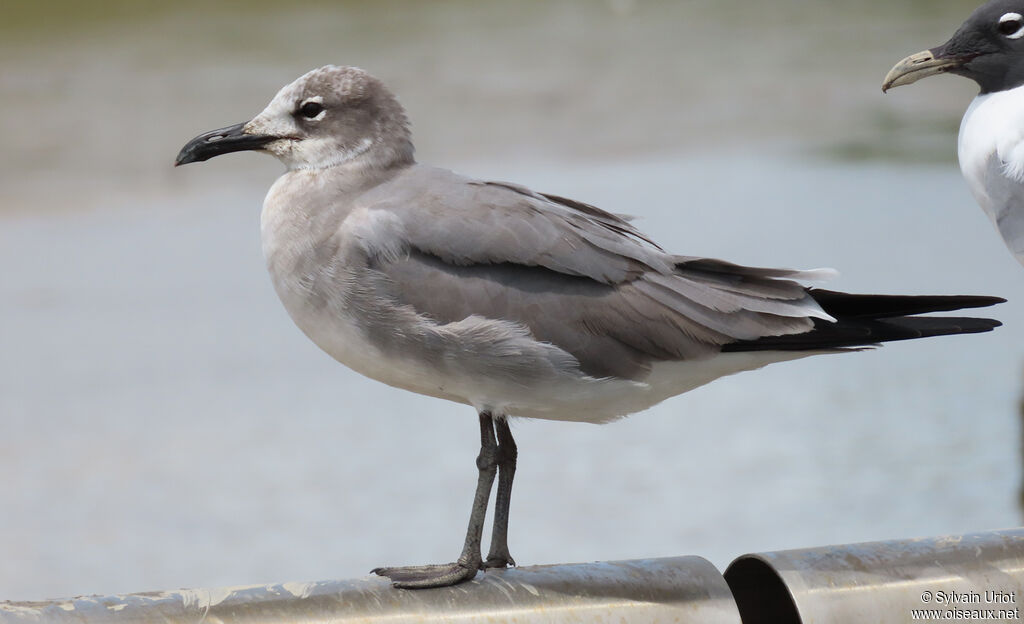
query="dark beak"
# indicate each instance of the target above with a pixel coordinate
(221, 141)
(922, 65)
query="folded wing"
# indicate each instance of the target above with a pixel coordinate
(580, 278)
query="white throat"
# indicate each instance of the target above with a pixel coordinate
(323, 154)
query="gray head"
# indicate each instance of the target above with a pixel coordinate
(330, 116)
(988, 48)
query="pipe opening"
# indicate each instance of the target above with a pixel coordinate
(760, 593)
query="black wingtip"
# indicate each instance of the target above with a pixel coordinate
(847, 305)
(863, 320)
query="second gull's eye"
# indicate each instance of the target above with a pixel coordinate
(1011, 25)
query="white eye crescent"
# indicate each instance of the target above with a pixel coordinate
(312, 108)
(1011, 25)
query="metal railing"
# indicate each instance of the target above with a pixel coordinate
(654, 590)
(962, 578)
(975, 577)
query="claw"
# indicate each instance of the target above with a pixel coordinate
(499, 561)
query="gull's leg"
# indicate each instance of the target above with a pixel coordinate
(499, 556)
(465, 568)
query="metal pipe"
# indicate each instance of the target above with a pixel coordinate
(971, 577)
(961, 578)
(674, 589)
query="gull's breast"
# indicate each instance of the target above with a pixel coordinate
(991, 155)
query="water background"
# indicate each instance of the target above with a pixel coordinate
(163, 424)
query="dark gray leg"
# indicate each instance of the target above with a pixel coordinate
(499, 556)
(465, 568)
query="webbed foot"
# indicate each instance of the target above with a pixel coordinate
(426, 576)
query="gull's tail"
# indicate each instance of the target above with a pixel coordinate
(865, 320)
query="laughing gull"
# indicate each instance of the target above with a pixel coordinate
(517, 303)
(989, 49)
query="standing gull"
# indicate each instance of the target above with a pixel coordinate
(989, 49)
(514, 302)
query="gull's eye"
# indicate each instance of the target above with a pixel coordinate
(310, 110)
(1011, 26)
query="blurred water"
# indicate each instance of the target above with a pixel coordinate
(164, 424)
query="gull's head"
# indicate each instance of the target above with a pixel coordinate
(330, 116)
(988, 48)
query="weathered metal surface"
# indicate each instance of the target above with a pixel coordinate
(964, 578)
(676, 589)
